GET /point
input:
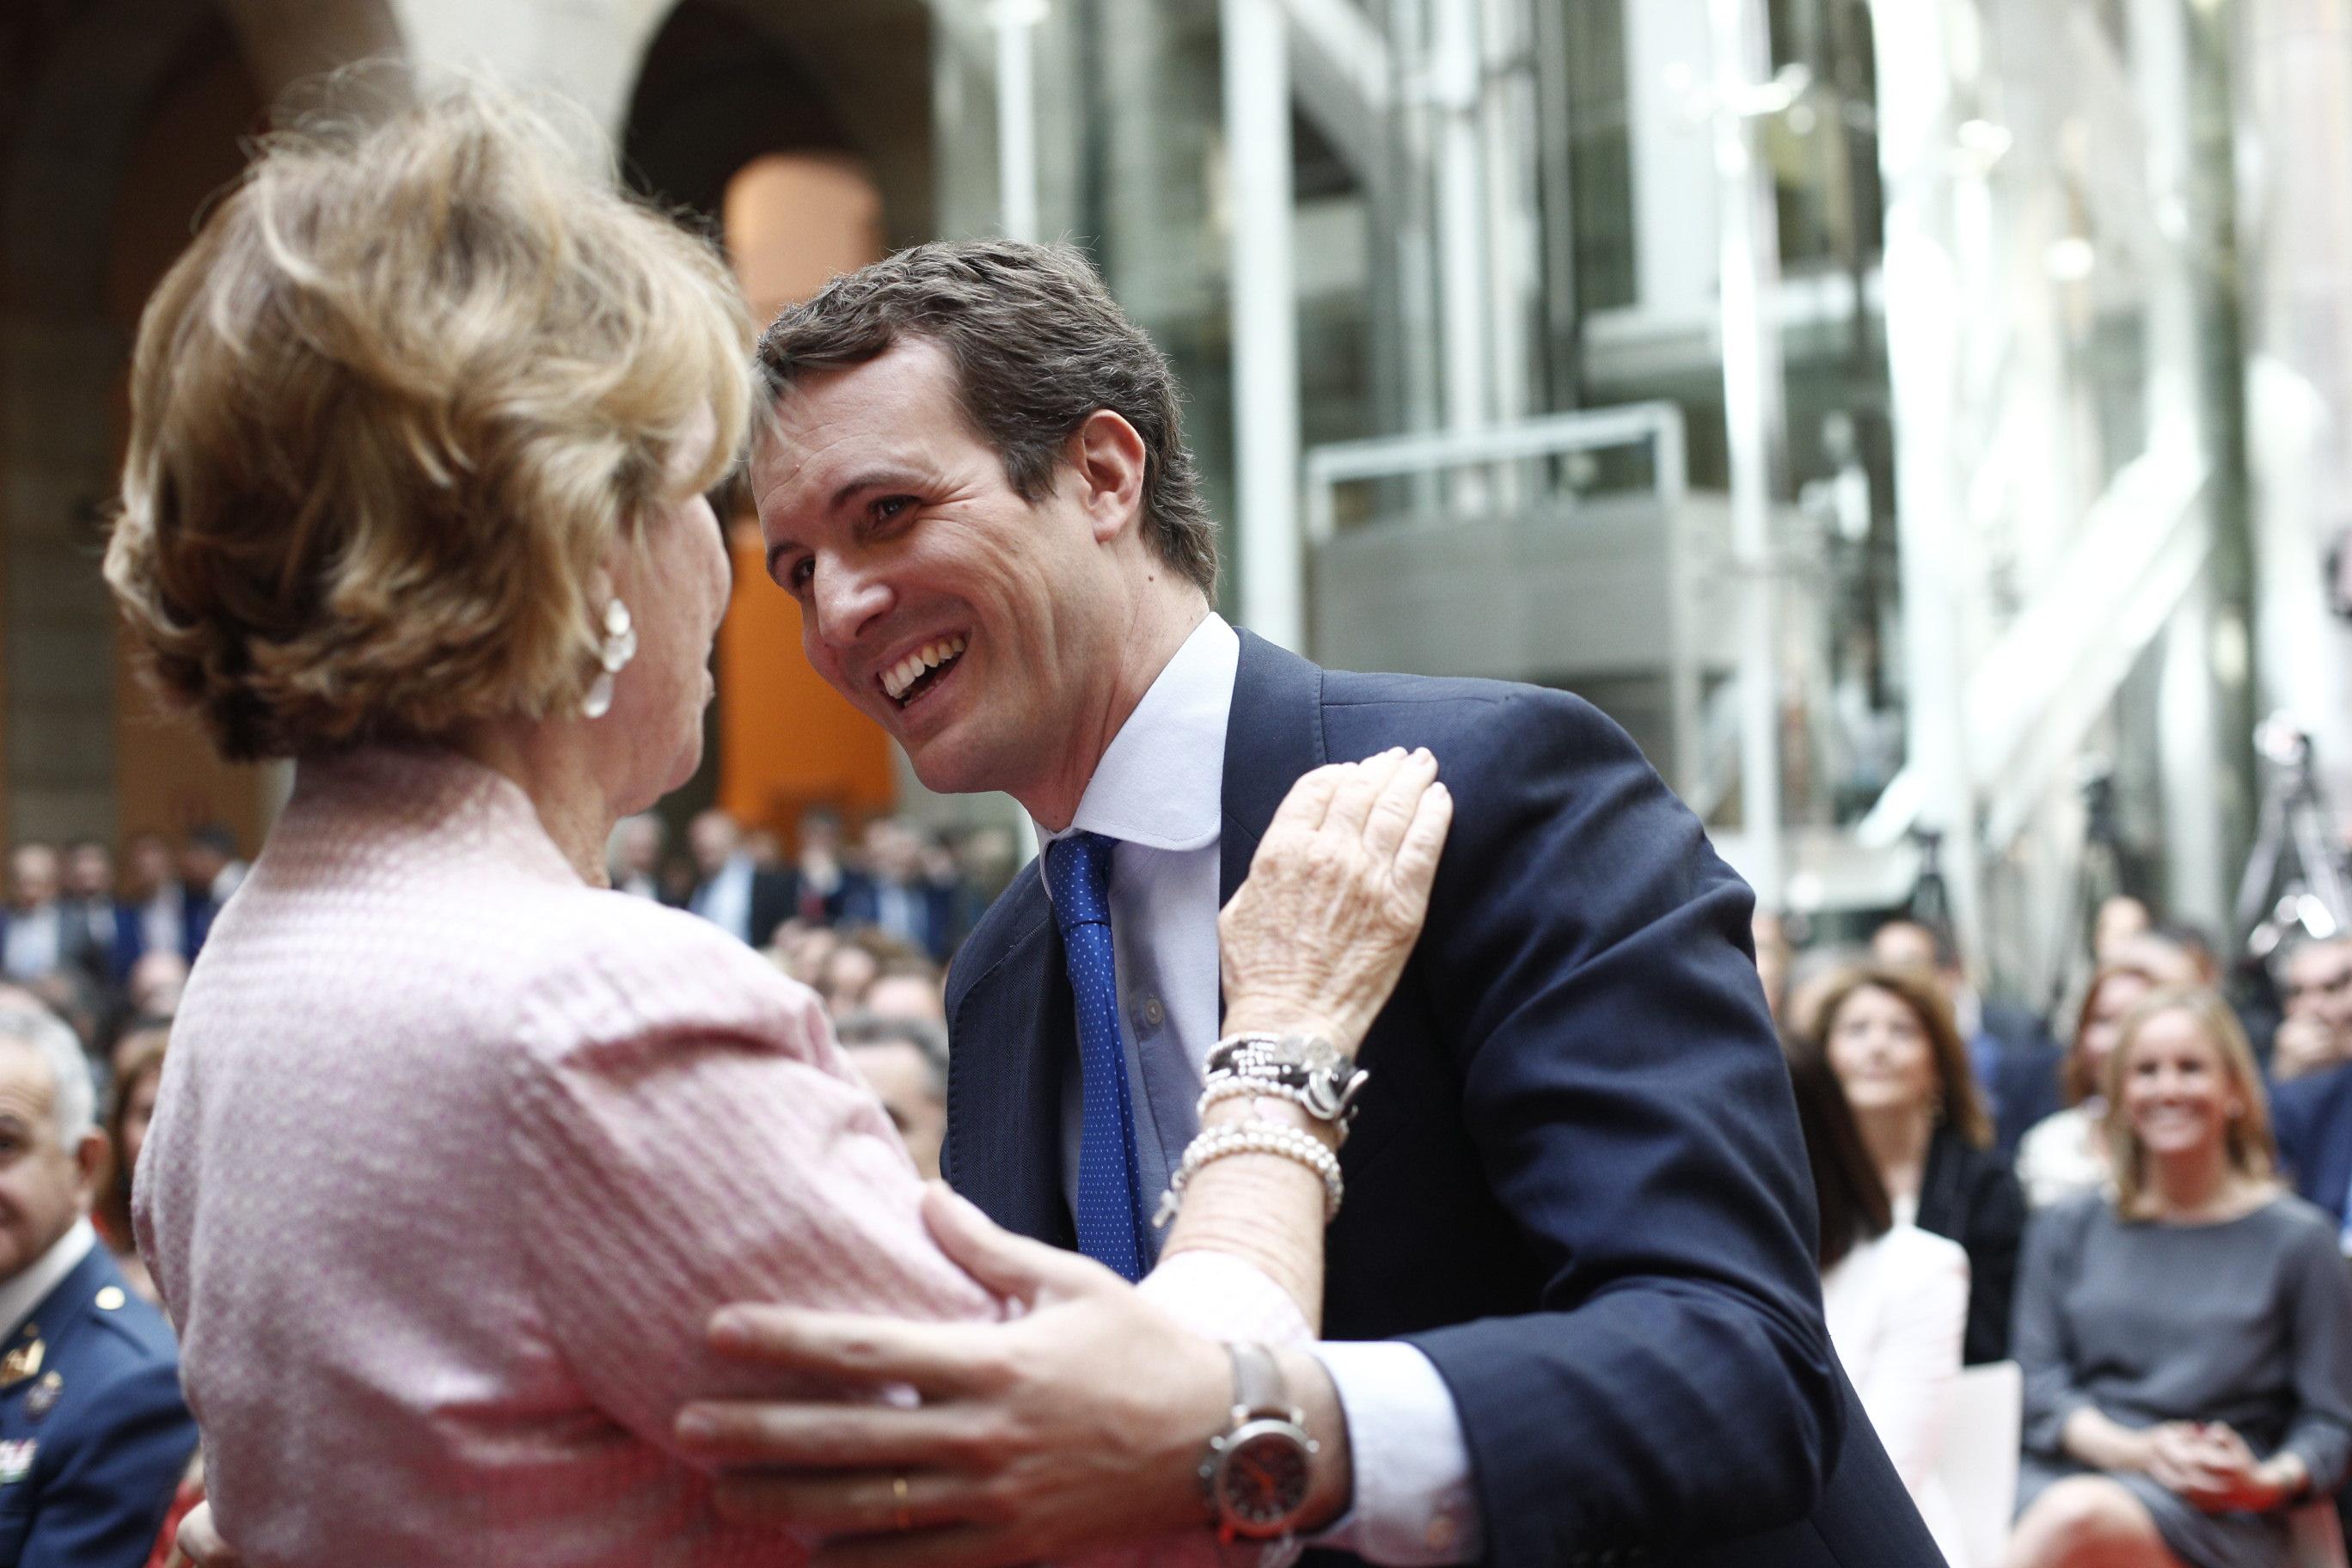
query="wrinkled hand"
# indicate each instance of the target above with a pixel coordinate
(2302, 1046)
(1077, 1423)
(2211, 1467)
(1313, 941)
(200, 1543)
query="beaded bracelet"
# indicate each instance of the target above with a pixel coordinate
(1222, 1087)
(1254, 1138)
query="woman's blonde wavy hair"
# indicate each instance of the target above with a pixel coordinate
(2249, 1145)
(391, 411)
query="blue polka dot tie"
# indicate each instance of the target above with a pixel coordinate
(1111, 1189)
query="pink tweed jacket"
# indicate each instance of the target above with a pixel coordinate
(454, 1158)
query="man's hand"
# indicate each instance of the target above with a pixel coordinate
(2303, 1045)
(1079, 1422)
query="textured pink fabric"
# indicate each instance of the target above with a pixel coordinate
(454, 1158)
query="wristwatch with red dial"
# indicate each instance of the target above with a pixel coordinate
(1257, 1471)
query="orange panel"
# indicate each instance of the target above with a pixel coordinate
(787, 740)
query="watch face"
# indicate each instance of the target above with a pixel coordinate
(1264, 1476)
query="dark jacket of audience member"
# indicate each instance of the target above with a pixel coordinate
(930, 928)
(2021, 1066)
(94, 1435)
(1971, 1195)
(2312, 1119)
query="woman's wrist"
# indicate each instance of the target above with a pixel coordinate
(2284, 1475)
(1270, 1107)
(2104, 1444)
(1251, 1014)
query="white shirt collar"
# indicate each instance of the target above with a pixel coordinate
(1161, 780)
(28, 1289)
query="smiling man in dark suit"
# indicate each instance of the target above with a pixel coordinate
(1571, 1294)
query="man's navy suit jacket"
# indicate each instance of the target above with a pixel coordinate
(1577, 1182)
(2313, 1117)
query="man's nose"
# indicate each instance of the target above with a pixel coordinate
(845, 600)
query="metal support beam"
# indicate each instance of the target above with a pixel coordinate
(1755, 423)
(1016, 116)
(1917, 125)
(1255, 46)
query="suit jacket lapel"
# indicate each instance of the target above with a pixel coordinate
(1274, 734)
(1013, 1027)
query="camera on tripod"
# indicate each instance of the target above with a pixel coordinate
(2294, 885)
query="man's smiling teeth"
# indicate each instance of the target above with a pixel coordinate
(901, 676)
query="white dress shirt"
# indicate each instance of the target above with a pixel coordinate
(1158, 790)
(725, 900)
(162, 921)
(35, 943)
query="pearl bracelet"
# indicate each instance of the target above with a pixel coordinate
(1254, 1138)
(1222, 1087)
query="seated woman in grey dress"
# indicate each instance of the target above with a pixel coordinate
(2187, 1341)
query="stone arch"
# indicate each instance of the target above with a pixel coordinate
(724, 82)
(801, 137)
(132, 114)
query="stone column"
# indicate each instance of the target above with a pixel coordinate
(586, 50)
(2295, 155)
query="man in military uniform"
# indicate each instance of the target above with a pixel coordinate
(93, 1432)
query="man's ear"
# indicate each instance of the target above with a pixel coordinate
(1109, 457)
(91, 1163)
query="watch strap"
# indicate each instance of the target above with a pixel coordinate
(1258, 1387)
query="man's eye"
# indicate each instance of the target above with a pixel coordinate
(889, 509)
(797, 574)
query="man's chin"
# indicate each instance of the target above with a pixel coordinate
(945, 764)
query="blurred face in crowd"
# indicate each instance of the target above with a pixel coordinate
(199, 863)
(2316, 992)
(89, 872)
(640, 846)
(151, 864)
(984, 632)
(1881, 1052)
(820, 836)
(2178, 1096)
(893, 851)
(139, 1113)
(2317, 984)
(155, 982)
(2103, 1020)
(712, 836)
(848, 971)
(2119, 921)
(45, 1186)
(902, 1075)
(32, 876)
(905, 997)
(1906, 945)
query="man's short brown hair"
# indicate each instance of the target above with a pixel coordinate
(1038, 346)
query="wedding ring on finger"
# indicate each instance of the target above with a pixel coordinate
(901, 1516)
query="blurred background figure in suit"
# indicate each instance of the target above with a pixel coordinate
(93, 1432)
(734, 893)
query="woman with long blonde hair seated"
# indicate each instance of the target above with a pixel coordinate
(458, 1152)
(2186, 1340)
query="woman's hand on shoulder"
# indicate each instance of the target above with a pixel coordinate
(1314, 940)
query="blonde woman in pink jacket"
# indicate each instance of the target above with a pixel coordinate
(458, 1152)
